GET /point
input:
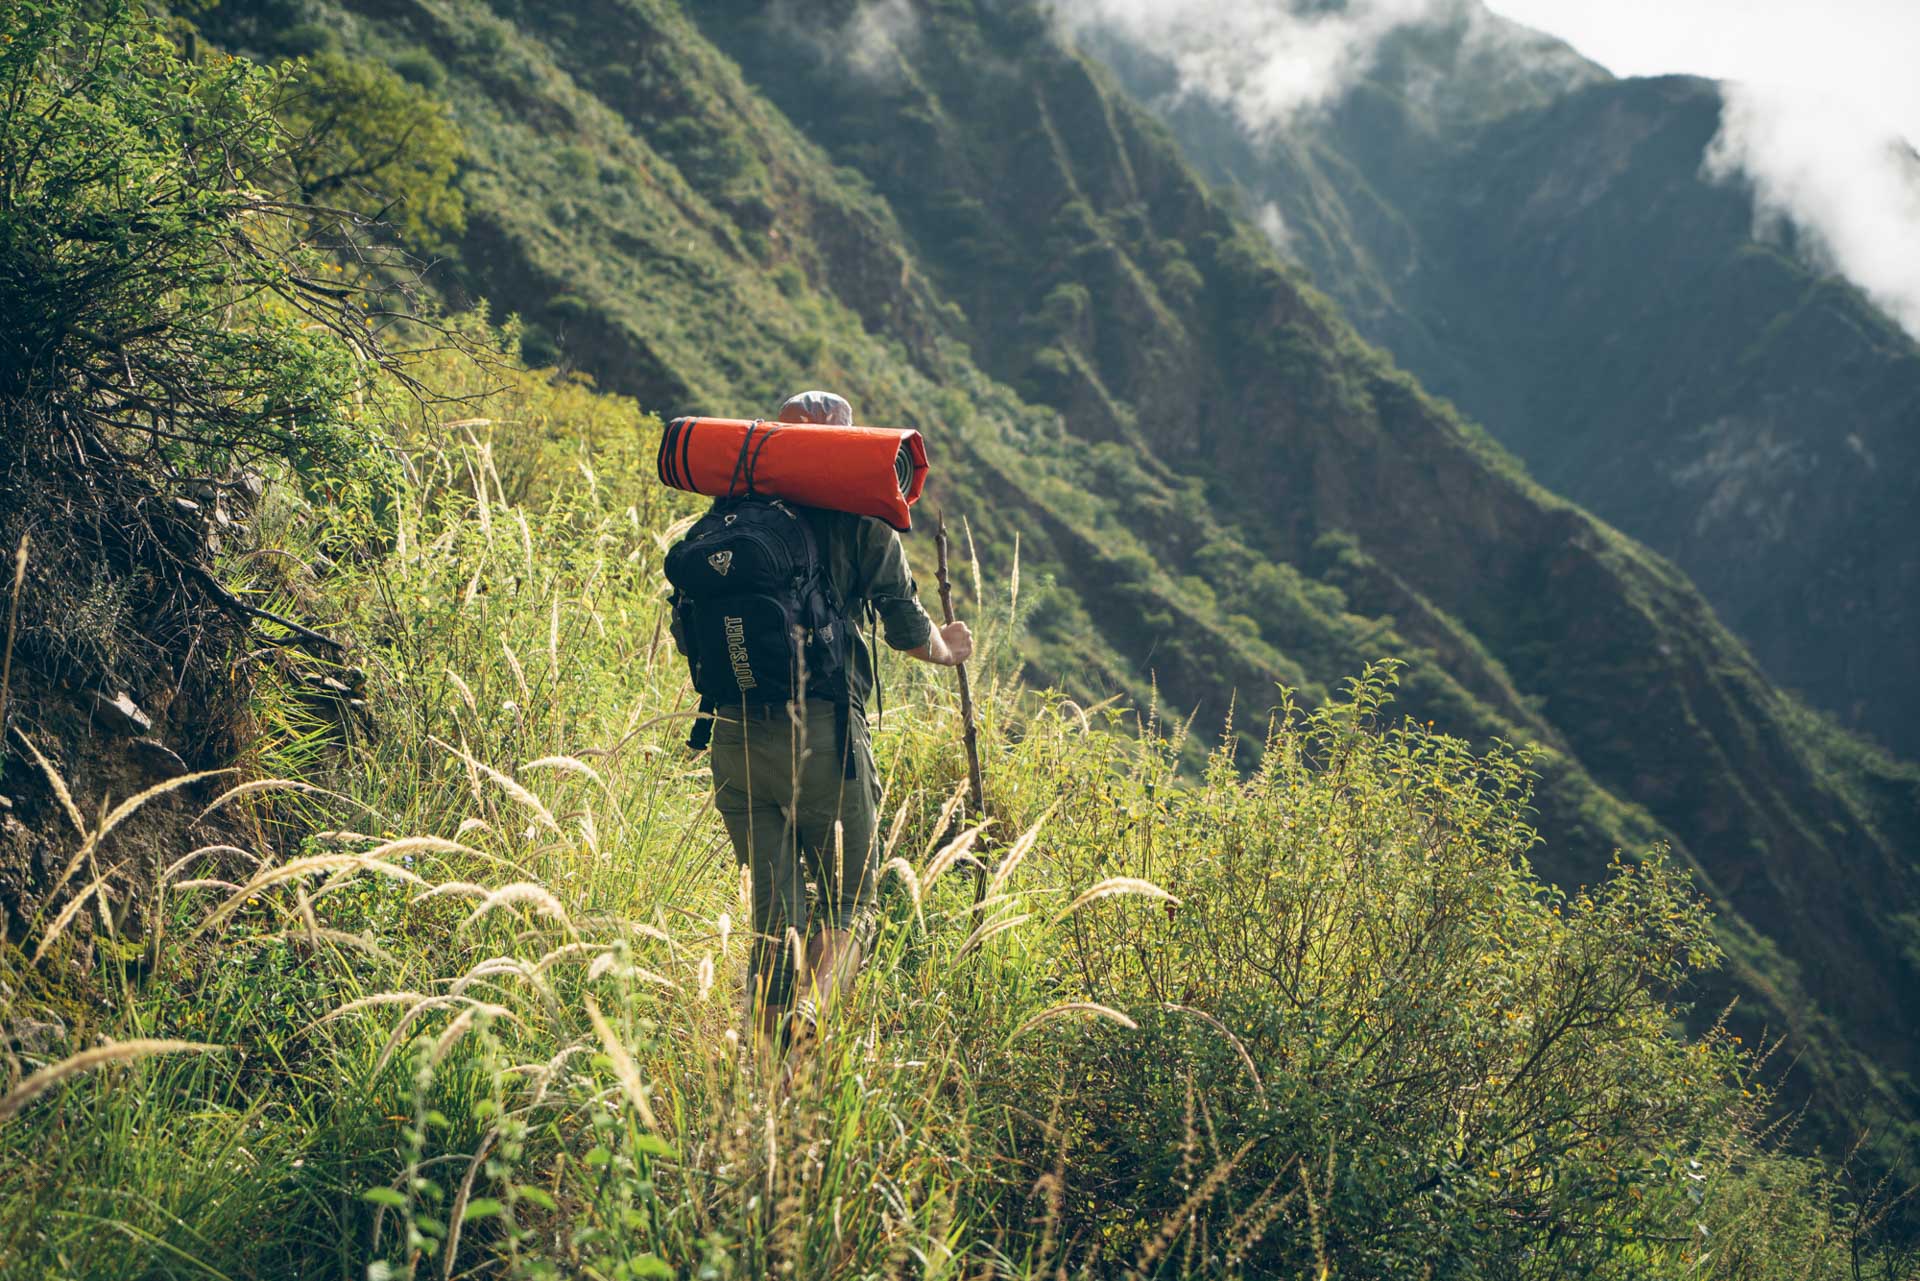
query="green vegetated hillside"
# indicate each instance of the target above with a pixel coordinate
(1540, 243)
(366, 917)
(1217, 486)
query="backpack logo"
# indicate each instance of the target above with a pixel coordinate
(736, 633)
(721, 562)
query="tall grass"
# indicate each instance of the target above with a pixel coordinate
(481, 973)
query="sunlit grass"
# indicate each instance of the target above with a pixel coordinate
(478, 976)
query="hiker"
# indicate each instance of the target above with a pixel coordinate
(794, 780)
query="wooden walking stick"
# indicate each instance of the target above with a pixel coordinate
(969, 734)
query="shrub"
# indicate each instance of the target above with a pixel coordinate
(421, 69)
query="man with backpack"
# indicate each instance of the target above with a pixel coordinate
(767, 602)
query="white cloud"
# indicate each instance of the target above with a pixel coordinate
(874, 35)
(1813, 124)
(1275, 228)
(1266, 62)
(1819, 100)
(1850, 185)
(868, 44)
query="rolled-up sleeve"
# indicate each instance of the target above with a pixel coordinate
(890, 587)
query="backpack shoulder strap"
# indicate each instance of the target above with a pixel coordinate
(873, 662)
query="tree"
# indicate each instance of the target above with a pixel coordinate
(365, 139)
(163, 300)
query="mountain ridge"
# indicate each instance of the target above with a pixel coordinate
(1041, 315)
(1559, 265)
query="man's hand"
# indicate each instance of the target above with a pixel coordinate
(949, 646)
(958, 639)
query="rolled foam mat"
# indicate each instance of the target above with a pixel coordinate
(870, 471)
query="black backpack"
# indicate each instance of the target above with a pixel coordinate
(755, 613)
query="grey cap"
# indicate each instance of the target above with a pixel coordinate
(821, 407)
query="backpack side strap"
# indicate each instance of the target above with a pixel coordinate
(843, 735)
(702, 733)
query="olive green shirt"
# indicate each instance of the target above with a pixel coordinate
(867, 565)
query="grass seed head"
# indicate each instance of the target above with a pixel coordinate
(1112, 886)
(87, 1060)
(1068, 1009)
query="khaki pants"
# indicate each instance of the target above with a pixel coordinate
(782, 823)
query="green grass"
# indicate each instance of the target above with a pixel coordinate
(1321, 1020)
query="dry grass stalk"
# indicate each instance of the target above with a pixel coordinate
(280, 785)
(973, 560)
(67, 913)
(519, 673)
(646, 975)
(489, 968)
(58, 784)
(410, 845)
(567, 764)
(482, 501)
(364, 1003)
(1019, 851)
(644, 726)
(458, 1210)
(950, 854)
(896, 831)
(988, 930)
(303, 867)
(1013, 579)
(1116, 885)
(988, 906)
(398, 1036)
(671, 534)
(86, 1061)
(466, 889)
(13, 621)
(653, 932)
(904, 870)
(465, 691)
(1246, 1060)
(526, 541)
(341, 938)
(1171, 1226)
(537, 896)
(943, 824)
(624, 1069)
(1253, 1223)
(406, 846)
(180, 864)
(1065, 1008)
(119, 814)
(521, 796)
(461, 1024)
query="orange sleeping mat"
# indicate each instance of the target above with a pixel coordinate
(869, 471)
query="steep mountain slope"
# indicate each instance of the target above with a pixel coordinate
(1217, 485)
(1537, 241)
